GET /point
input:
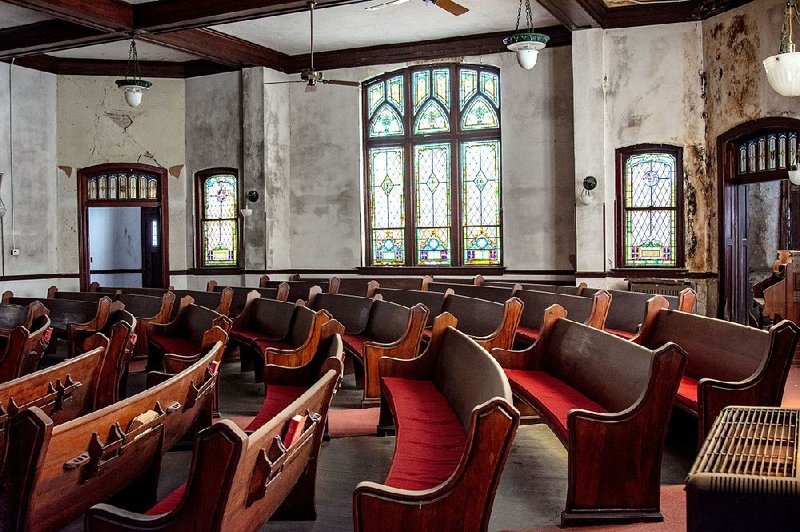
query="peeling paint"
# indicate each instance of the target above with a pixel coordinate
(67, 170)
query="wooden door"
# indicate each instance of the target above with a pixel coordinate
(152, 249)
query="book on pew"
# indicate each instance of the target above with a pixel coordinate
(295, 429)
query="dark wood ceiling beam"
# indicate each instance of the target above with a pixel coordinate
(49, 36)
(100, 67)
(220, 48)
(576, 14)
(184, 14)
(487, 43)
(655, 13)
(106, 15)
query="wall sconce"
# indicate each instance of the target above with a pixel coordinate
(589, 184)
(252, 197)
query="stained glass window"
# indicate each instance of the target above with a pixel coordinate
(767, 152)
(219, 219)
(650, 208)
(122, 187)
(433, 166)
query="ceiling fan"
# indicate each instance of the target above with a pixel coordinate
(447, 5)
(310, 76)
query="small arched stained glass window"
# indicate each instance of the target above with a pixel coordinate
(219, 220)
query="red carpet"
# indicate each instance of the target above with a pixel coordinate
(346, 422)
(673, 508)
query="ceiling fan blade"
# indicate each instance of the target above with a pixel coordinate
(451, 7)
(341, 82)
(282, 82)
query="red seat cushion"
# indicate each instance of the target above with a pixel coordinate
(528, 334)
(622, 334)
(687, 393)
(355, 343)
(277, 399)
(263, 345)
(175, 345)
(551, 397)
(430, 437)
(168, 503)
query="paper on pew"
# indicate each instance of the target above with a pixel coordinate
(142, 419)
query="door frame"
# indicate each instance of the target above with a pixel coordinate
(83, 212)
(730, 197)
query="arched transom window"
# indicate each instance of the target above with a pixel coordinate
(432, 139)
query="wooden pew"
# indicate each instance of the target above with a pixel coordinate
(555, 288)
(94, 297)
(192, 332)
(298, 289)
(488, 323)
(433, 301)
(391, 330)
(498, 294)
(447, 482)
(627, 308)
(240, 295)
(13, 316)
(261, 318)
(216, 301)
(351, 311)
(609, 402)
(23, 349)
(592, 311)
(147, 310)
(120, 334)
(728, 363)
(238, 481)
(353, 287)
(53, 474)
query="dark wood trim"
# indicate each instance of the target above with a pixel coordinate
(105, 15)
(576, 14)
(83, 212)
(66, 66)
(217, 271)
(39, 276)
(648, 273)
(621, 155)
(430, 270)
(40, 37)
(199, 178)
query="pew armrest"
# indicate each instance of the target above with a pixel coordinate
(520, 359)
(503, 337)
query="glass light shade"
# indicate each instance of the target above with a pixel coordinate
(133, 90)
(526, 45)
(783, 73)
(585, 197)
(247, 212)
(794, 176)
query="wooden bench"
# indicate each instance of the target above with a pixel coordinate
(498, 294)
(488, 323)
(13, 316)
(609, 402)
(391, 330)
(354, 287)
(147, 310)
(238, 481)
(192, 332)
(94, 297)
(240, 295)
(216, 301)
(728, 363)
(434, 301)
(298, 289)
(455, 424)
(66, 314)
(591, 311)
(349, 310)
(23, 349)
(155, 292)
(555, 288)
(120, 333)
(53, 474)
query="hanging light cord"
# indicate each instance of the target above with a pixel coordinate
(11, 154)
(528, 15)
(133, 61)
(787, 33)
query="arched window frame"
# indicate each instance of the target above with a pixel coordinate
(622, 157)
(456, 138)
(201, 178)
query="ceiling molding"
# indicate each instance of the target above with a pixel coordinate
(576, 14)
(65, 66)
(486, 43)
(106, 15)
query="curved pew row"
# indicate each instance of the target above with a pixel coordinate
(609, 402)
(241, 294)
(53, 474)
(13, 316)
(590, 311)
(217, 301)
(489, 323)
(147, 310)
(433, 301)
(260, 319)
(238, 481)
(22, 349)
(728, 364)
(498, 294)
(452, 411)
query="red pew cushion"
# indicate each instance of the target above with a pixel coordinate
(551, 397)
(277, 398)
(528, 334)
(687, 392)
(175, 345)
(430, 438)
(168, 503)
(355, 343)
(622, 334)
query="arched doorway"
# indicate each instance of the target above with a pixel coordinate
(122, 214)
(750, 156)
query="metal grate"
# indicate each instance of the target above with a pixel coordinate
(760, 442)
(662, 287)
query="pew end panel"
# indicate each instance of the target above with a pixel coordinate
(24, 349)
(464, 501)
(601, 303)
(77, 330)
(423, 365)
(329, 355)
(531, 357)
(303, 354)
(654, 305)
(601, 445)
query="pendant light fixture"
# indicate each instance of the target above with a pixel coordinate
(526, 43)
(783, 69)
(133, 86)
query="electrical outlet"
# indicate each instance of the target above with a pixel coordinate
(15, 252)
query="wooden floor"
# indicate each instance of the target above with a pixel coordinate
(531, 494)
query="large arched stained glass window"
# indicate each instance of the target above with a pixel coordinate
(649, 195)
(432, 138)
(218, 218)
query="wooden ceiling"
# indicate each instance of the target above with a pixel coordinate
(184, 25)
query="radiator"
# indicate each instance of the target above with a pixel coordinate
(745, 476)
(664, 287)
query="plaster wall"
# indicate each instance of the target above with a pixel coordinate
(96, 126)
(537, 165)
(30, 109)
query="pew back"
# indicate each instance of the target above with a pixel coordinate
(434, 301)
(143, 306)
(351, 311)
(498, 294)
(218, 301)
(476, 317)
(23, 349)
(387, 322)
(578, 308)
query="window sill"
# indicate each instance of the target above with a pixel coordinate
(216, 271)
(649, 272)
(431, 270)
